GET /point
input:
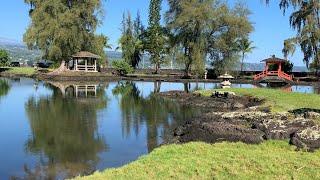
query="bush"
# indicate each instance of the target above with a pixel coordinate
(122, 67)
(4, 57)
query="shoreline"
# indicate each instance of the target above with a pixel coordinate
(148, 78)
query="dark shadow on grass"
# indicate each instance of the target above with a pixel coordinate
(304, 110)
(4, 69)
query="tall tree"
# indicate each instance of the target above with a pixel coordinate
(209, 28)
(126, 40)
(62, 28)
(305, 19)
(244, 46)
(155, 40)
(4, 57)
(131, 40)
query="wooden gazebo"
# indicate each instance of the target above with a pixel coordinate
(275, 74)
(85, 61)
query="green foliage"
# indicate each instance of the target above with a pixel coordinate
(4, 57)
(155, 40)
(98, 42)
(285, 66)
(203, 29)
(278, 100)
(196, 160)
(131, 40)
(62, 28)
(289, 47)
(122, 67)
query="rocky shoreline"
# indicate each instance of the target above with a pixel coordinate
(233, 118)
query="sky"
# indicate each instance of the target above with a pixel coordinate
(271, 26)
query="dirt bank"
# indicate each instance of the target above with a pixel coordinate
(232, 118)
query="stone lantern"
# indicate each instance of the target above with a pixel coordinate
(225, 83)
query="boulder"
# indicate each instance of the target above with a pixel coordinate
(308, 138)
(275, 129)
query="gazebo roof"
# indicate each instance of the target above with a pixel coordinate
(85, 54)
(274, 60)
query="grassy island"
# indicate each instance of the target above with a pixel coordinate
(276, 99)
(196, 160)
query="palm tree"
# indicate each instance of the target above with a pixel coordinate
(244, 45)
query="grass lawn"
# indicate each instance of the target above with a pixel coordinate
(278, 100)
(20, 70)
(269, 160)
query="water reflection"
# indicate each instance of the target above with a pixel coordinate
(160, 115)
(64, 133)
(60, 130)
(4, 87)
(275, 85)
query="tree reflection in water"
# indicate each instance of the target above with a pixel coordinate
(4, 87)
(155, 112)
(64, 134)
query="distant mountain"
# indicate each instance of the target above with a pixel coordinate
(262, 67)
(7, 41)
(19, 52)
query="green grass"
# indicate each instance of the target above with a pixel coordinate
(21, 70)
(269, 160)
(276, 99)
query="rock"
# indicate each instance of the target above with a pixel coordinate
(274, 129)
(217, 132)
(222, 94)
(251, 116)
(284, 115)
(179, 131)
(312, 115)
(308, 138)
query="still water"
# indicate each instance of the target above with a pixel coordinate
(54, 131)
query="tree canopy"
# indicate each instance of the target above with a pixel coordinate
(62, 28)
(209, 28)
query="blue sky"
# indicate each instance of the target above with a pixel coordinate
(271, 27)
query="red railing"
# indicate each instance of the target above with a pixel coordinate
(285, 76)
(273, 73)
(260, 75)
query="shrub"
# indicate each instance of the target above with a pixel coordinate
(122, 67)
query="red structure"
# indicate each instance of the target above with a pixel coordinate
(278, 73)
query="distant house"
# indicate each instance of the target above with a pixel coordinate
(84, 61)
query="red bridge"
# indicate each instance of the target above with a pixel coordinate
(273, 75)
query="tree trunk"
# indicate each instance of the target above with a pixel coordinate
(186, 70)
(242, 63)
(157, 68)
(61, 69)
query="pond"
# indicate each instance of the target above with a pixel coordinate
(58, 130)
